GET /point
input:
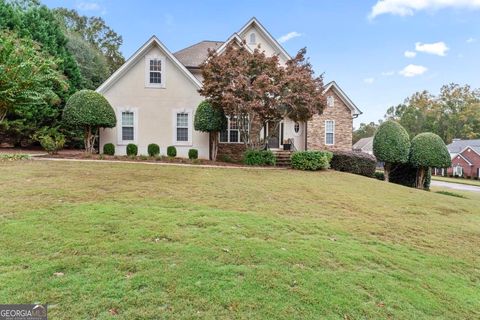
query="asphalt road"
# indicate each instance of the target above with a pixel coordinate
(455, 186)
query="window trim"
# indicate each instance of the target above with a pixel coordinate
(190, 127)
(228, 134)
(160, 85)
(332, 97)
(300, 131)
(120, 140)
(252, 34)
(333, 132)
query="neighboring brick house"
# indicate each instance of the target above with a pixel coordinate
(465, 156)
(155, 95)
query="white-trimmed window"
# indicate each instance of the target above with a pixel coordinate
(128, 125)
(297, 129)
(232, 133)
(252, 38)
(154, 72)
(458, 171)
(330, 101)
(182, 134)
(329, 132)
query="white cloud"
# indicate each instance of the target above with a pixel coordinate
(437, 48)
(369, 80)
(409, 7)
(289, 36)
(471, 40)
(410, 54)
(413, 70)
(388, 73)
(88, 6)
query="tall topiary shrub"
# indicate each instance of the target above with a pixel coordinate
(89, 111)
(391, 144)
(211, 120)
(153, 150)
(428, 150)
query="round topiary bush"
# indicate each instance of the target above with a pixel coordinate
(109, 149)
(153, 150)
(391, 144)
(171, 151)
(193, 154)
(211, 120)
(89, 110)
(428, 151)
(132, 150)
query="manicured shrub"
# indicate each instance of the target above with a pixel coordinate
(89, 110)
(153, 150)
(253, 157)
(379, 175)
(193, 154)
(109, 149)
(132, 150)
(50, 139)
(391, 144)
(354, 162)
(428, 150)
(405, 174)
(211, 120)
(311, 160)
(171, 151)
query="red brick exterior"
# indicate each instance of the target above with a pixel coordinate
(342, 116)
(471, 169)
(232, 151)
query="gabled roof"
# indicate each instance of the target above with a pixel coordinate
(195, 55)
(474, 149)
(349, 103)
(463, 157)
(266, 34)
(139, 54)
(458, 145)
(365, 144)
(235, 38)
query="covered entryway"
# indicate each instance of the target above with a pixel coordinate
(274, 135)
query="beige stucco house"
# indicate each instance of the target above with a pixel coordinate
(155, 94)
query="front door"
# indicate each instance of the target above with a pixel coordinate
(273, 131)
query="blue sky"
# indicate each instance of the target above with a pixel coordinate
(361, 44)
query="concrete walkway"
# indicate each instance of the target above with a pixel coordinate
(455, 186)
(160, 164)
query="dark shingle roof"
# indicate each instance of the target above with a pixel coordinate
(196, 54)
(458, 145)
(364, 144)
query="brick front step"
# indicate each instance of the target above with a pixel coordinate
(283, 158)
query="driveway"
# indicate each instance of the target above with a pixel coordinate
(455, 186)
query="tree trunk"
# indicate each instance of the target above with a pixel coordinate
(89, 140)
(214, 144)
(386, 171)
(420, 183)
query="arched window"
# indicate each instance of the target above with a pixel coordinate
(252, 39)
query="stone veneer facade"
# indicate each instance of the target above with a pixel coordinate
(342, 116)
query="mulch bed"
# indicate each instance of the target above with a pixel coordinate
(76, 154)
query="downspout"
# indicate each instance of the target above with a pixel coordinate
(306, 135)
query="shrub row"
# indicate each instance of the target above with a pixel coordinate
(259, 158)
(311, 160)
(153, 150)
(354, 162)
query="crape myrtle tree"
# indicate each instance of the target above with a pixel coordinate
(211, 120)
(255, 89)
(28, 76)
(88, 110)
(391, 144)
(428, 151)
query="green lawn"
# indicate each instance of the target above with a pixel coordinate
(137, 241)
(457, 180)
